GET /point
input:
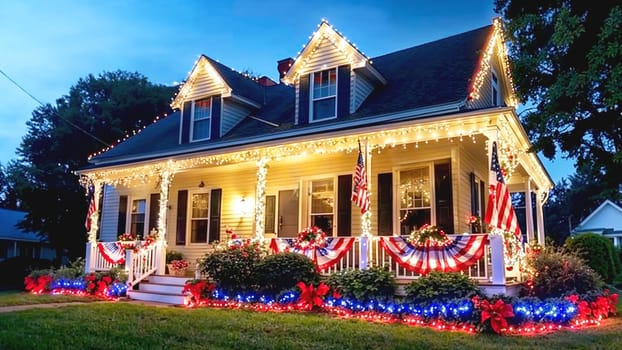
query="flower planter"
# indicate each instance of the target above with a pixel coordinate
(175, 272)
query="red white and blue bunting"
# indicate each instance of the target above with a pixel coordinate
(113, 252)
(324, 257)
(457, 255)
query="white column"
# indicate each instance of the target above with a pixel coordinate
(260, 200)
(92, 234)
(498, 259)
(166, 178)
(529, 212)
(540, 216)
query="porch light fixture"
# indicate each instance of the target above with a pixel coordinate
(242, 207)
(201, 184)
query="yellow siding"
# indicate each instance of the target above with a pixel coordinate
(326, 56)
(203, 86)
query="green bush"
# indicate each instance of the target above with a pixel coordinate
(557, 272)
(598, 253)
(74, 270)
(441, 286)
(173, 255)
(375, 283)
(282, 271)
(232, 269)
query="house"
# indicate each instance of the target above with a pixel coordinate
(605, 220)
(267, 159)
(14, 242)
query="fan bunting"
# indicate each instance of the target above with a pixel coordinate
(323, 257)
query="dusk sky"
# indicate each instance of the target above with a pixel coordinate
(49, 45)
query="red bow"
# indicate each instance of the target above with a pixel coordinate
(310, 296)
(497, 313)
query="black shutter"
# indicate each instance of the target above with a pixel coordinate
(214, 215)
(182, 211)
(303, 100)
(385, 204)
(443, 191)
(344, 205)
(185, 122)
(122, 214)
(474, 198)
(154, 211)
(216, 117)
(343, 91)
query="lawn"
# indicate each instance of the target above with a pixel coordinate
(11, 298)
(123, 325)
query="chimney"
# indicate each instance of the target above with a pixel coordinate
(265, 81)
(284, 65)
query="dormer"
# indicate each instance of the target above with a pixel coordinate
(331, 77)
(492, 84)
(213, 99)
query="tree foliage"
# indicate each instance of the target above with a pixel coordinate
(97, 111)
(567, 63)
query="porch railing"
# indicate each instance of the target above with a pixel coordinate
(95, 261)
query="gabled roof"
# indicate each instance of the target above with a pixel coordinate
(421, 81)
(8, 229)
(607, 208)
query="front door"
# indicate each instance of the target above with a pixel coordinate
(288, 213)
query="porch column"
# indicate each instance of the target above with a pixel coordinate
(542, 197)
(497, 258)
(260, 200)
(166, 178)
(92, 234)
(529, 212)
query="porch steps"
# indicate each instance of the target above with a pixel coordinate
(161, 289)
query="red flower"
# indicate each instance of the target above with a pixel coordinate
(310, 296)
(91, 286)
(573, 298)
(497, 313)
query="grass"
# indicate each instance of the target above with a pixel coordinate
(124, 325)
(12, 298)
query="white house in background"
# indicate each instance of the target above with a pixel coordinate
(606, 220)
(15, 242)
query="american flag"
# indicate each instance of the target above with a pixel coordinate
(92, 207)
(500, 213)
(360, 196)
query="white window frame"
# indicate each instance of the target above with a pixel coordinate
(313, 99)
(193, 119)
(397, 208)
(189, 217)
(128, 222)
(309, 214)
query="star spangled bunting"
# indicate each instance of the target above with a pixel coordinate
(112, 252)
(459, 255)
(324, 258)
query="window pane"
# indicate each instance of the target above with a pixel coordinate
(323, 109)
(200, 205)
(137, 223)
(415, 188)
(413, 219)
(201, 129)
(325, 83)
(198, 231)
(203, 109)
(322, 196)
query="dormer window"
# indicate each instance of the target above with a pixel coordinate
(201, 119)
(495, 89)
(324, 95)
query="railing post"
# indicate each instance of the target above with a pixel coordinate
(87, 258)
(497, 259)
(363, 252)
(128, 265)
(160, 258)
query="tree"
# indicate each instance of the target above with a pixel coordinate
(96, 112)
(567, 63)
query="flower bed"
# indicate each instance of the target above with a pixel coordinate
(527, 315)
(92, 284)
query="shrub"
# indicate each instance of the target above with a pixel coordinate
(173, 255)
(74, 270)
(233, 268)
(282, 271)
(441, 286)
(598, 253)
(557, 272)
(375, 283)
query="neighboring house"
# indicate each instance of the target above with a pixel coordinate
(268, 159)
(605, 220)
(14, 242)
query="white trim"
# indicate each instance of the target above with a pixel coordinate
(128, 221)
(312, 99)
(192, 120)
(191, 192)
(397, 196)
(308, 215)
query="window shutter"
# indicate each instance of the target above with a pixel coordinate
(154, 211)
(122, 215)
(214, 215)
(385, 204)
(303, 100)
(344, 205)
(186, 117)
(182, 211)
(473, 194)
(343, 91)
(443, 191)
(216, 117)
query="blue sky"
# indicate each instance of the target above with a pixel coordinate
(49, 45)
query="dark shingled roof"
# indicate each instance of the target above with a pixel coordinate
(427, 75)
(8, 229)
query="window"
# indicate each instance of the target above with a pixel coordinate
(324, 95)
(415, 200)
(323, 205)
(137, 217)
(199, 217)
(201, 119)
(495, 89)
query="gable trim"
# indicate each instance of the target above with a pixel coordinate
(596, 211)
(201, 64)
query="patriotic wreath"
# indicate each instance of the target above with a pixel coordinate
(427, 235)
(311, 238)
